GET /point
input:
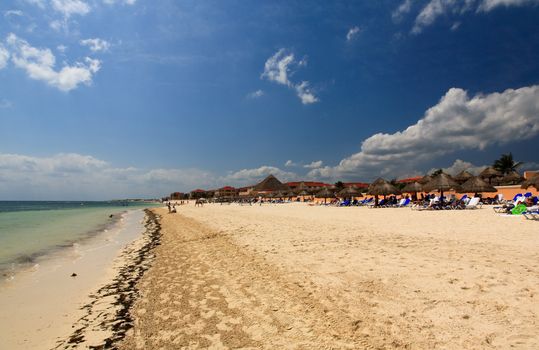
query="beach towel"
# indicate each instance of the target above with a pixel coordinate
(519, 209)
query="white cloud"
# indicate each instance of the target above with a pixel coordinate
(96, 44)
(289, 163)
(255, 94)
(9, 13)
(457, 122)
(4, 56)
(488, 5)
(39, 65)
(352, 33)
(314, 165)
(455, 26)
(61, 48)
(74, 176)
(252, 176)
(461, 165)
(5, 103)
(430, 12)
(70, 7)
(123, 2)
(305, 94)
(277, 69)
(401, 11)
(436, 8)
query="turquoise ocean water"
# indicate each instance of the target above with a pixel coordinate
(31, 230)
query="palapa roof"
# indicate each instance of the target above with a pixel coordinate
(490, 172)
(413, 187)
(271, 183)
(512, 177)
(381, 187)
(532, 181)
(476, 184)
(351, 191)
(463, 176)
(425, 179)
(441, 182)
(325, 193)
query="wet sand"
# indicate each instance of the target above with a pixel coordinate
(300, 277)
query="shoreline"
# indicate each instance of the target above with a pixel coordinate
(113, 317)
(43, 305)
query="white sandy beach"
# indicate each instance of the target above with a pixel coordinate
(41, 307)
(301, 277)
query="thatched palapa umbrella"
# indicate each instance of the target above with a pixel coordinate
(425, 179)
(350, 191)
(463, 176)
(413, 187)
(325, 193)
(476, 184)
(441, 182)
(512, 178)
(531, 182)
(490, 173)
(381, 187)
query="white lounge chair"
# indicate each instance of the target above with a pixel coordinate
(473, 203)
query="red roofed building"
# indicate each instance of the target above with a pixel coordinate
(409, 180)
(356, 184)
(309, 184)
(227, 191)
(198, 193)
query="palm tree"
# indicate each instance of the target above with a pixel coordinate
(339, 185)
(506, 163)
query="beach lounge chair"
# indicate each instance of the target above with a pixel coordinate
(403, 203)
(532, 213)
(473, 203)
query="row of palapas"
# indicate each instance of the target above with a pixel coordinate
(440, 182)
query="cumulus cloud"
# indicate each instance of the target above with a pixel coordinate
(75, 176)
(96, 44)
(403, 9)
(305, 94)
(461, 165)
(314, 165)
(289, 163)
(39, 64)
(255, 94)
(352, 33)
(278, 69)
(456, 122)
(252, 176)
(70, 7)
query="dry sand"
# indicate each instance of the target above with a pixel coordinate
(300, 277)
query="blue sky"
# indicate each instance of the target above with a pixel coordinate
(117, 98)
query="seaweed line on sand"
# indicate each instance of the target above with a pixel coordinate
(109, 312)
